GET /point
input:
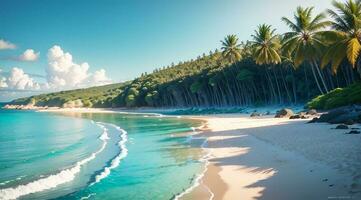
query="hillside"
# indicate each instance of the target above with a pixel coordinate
(100, 96)
(210, 80)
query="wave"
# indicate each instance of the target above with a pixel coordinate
(53, 180)
(116, 161)
(205, 159)
(12, 180)
(87, 197)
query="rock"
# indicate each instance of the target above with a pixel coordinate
(295, 117)
(314, 120)
(342, 126)
(267, 113)
(347, 114)
(284, 113)
(353, 132)
(300, 115)
(349, 122)
(312, 112)
(255, 114)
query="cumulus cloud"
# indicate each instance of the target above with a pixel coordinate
(29, 55)
(18, 80)
(63, 72)
(6, 45)
(99, 78)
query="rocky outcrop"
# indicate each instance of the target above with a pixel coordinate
(256, 114)
(311, 112)
(284, 113)
(342, 126)
(343, 115)
(353, 132)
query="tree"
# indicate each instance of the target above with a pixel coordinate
(304, 41)
(266, 51)
(345, 39)
(231, 48)
(267, 45)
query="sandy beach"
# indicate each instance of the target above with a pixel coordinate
(272, 158)
(269, 158)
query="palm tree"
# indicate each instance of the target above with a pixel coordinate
(231, 48)
(266, 46)
(304, 41)
(346, 38)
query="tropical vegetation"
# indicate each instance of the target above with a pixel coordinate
(319, 53)
(337, 98)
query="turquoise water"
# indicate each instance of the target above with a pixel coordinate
(95, 156)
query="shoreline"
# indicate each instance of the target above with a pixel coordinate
(253, 157)
(257, 156)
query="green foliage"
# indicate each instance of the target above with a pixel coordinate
(231, 48)
(196, 86)
(344, 39)
(267, 45)
(100, 96)
(130, 100)
(87, 103)
(337, 98)
(245, 75)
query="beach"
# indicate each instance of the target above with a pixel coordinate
(270, 158)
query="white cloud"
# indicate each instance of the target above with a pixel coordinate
(3, 83)
(29, 55)
(18, 80)
(99, 78)
(6, 45)
(64, 73)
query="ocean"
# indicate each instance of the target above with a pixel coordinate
(97, 156)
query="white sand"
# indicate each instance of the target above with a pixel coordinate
(283, 159)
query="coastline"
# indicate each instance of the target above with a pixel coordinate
(269, 158)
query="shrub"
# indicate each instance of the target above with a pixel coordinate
(337, 98)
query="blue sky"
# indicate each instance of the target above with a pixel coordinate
(126, 38)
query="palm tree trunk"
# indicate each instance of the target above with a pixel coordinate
(285, 85)
(273, 93)
(314, 75)
(277, 84)
(321, 76)
(307, 82)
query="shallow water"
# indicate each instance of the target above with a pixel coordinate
(95, 156)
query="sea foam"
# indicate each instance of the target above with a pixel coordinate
(53, 180)
(116, 161)
(205, 159)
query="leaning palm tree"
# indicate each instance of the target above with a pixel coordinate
(231, 48)
(345, 39)
(304, 41)
(266, 46)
